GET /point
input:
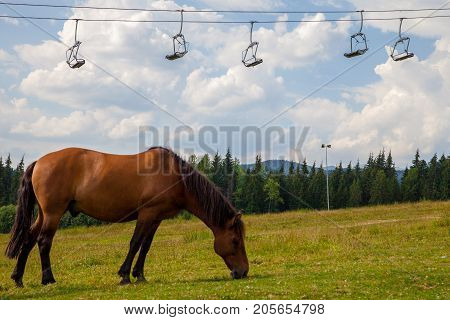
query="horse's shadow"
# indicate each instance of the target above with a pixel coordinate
(218, 279)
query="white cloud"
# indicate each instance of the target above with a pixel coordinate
(231, 90)
(306, 44)
(44, 55)
(427, 28)
(134, 53)
(112, 122)
(12, 110)
(279, 46)
(129, 127)
(243, 4)
(407, 109)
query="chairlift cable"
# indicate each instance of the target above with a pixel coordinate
(218, 21)
(24, 4)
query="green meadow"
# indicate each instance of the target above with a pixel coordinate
(382, 252)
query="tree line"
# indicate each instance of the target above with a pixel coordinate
(299, 186)
(259, 189)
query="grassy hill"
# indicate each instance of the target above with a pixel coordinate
(384, 252)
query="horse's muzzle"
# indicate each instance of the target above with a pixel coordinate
(235, 274)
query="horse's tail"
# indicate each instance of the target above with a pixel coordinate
(24, 214)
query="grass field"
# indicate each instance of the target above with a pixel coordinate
(384, 252)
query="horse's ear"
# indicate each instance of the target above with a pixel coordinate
(237, 217)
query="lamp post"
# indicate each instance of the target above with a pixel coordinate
(326, 146)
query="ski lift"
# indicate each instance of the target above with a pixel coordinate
(358, 42)
(72, 53)
(249, 58)
(180, 46)
(402, 42)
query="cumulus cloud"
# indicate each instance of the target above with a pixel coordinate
(134, 54)
(426, 28)
(45, 55)
(113, 122)
(306, 44)
(234, 89)
(244, 5)
(407, 109)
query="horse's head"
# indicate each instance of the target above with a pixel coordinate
(229, 244)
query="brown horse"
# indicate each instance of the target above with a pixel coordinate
(148, 187)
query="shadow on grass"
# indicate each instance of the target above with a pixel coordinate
(47, 292)
(213, 279)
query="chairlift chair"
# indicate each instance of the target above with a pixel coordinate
(358, 42)
(402, 42)
(180, 46)
(72, 53)
(249, 58)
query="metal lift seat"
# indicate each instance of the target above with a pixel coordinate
(180, 46)
(249, 58)
(403, 42)
(358, 42)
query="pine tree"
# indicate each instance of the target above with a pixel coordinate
(355, 194)
(341, 197)
(304, 184)
(237, 173)
(255, 188)
(228, 177)
(444, 185)
(204, 165)
(8, 181)
(367, 178)
(2, 185)
(378, 194)
(336, 187)
(357, 171)
(216, 174)
(309, 199)
(432, 181)
(380, 161)
(410, 185)
(284, 190)
(17, 175)
(317, 188)
(393, 189)
(421, 167)
(292, 185)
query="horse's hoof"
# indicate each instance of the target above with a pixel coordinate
(17, 280)
(48, 281)
(19, 283)
(124, 281)
(141, 279)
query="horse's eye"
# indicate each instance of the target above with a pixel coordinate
(235, 242)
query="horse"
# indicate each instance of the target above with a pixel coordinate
(148, 187)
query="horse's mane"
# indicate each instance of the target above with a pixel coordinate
(216, 205)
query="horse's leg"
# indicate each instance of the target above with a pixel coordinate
(45, 240)
(138, 270)
(29, 244)
(135, 243)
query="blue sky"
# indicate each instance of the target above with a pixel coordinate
(45, 106)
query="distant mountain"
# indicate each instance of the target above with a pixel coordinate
(275, 165)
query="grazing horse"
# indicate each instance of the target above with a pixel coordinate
(148, 187)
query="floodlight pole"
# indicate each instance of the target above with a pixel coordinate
(326, 146)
